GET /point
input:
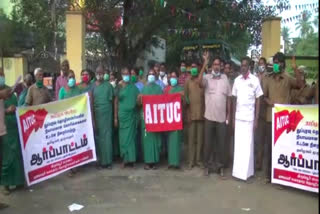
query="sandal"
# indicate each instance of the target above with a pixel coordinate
(146, 167)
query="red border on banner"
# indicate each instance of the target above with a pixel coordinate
(296, 178)
(60, 166)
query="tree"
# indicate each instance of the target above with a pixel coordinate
(304, 25)
(285, 33)
(316, 22)
(143, 19)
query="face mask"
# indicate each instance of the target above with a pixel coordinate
(71, 82)
(276, 68)
(261, 68)
(183, 69)
(134, 79)
(39, 83)
(194, 71)
(113, 83)
(140, 73)
(173, 81)
(85, 78)
(162, 73)
(106, 77)
(214, 74)
(2, 81)
(126, 78)
(151, 78)
(99, 77)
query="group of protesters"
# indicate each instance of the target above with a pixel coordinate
(226, 114)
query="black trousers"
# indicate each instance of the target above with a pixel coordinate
(268, 149)
(215, 138)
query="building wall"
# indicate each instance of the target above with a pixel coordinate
(13, 68)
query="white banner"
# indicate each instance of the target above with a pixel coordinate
(55, 137)
(295, 146)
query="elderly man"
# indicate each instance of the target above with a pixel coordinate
(62, 80)
(246, 90)
(38, 93)
(217, 93)
(27, 82)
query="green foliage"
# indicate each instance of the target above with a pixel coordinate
(145, 18)
(285, 33)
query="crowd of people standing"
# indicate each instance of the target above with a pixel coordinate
(223, 108)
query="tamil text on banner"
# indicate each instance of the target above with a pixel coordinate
(55, 137)
(162, 112)
(295, 146)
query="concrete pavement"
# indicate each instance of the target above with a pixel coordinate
(157, 191)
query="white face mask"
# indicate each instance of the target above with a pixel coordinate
(162, 73)
(113, 83)
(215, 74)
(261, 68)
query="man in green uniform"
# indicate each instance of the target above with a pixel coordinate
(194, 96)
(127, 116)
(151, 141)
(174, 137)
(103, 99)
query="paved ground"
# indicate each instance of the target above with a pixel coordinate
(161, 191)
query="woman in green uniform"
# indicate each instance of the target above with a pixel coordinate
(66, 92)
(127, 116)
(115, 134)
(85, 85)
(174, 137)
(71, 89)
(151, 141)
(27, 83)
(12, 165)
(103, 99)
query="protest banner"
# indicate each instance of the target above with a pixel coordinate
(162, 112)
(295, 146)
(55, 137)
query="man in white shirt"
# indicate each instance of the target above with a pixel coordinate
(246, 90)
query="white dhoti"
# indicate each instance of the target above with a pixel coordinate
(243, 161)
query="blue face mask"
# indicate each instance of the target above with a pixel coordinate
(173, 81)
(126, 78)
(71, 82)
(2, 81)
(151, 78)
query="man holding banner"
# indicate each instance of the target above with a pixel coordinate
(277, 88)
